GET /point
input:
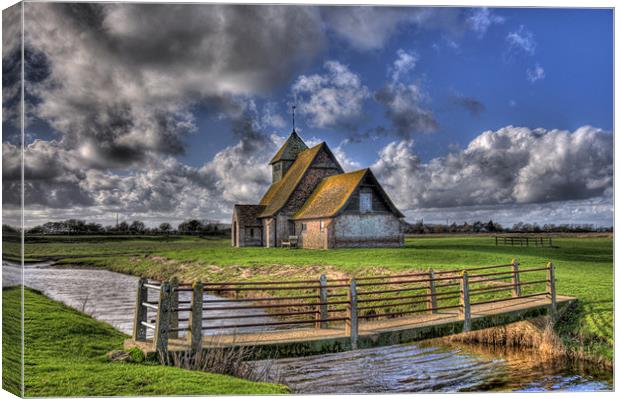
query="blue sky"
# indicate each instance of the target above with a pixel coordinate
(573, 46)
(163, 113)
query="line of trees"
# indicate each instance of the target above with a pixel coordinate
(199, 227)
(82, 227)
(493, 227)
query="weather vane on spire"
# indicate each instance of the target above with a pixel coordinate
(293, 112)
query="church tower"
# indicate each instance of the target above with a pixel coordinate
(286, 155)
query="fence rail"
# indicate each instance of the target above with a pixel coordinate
(536, 241)
(328, 304)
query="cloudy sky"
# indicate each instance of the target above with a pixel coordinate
(166, 112)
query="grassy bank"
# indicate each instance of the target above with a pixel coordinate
(65, 356)
(584, 267)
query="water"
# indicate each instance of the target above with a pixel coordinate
(419, 367)
(434, 368)
(108, 296)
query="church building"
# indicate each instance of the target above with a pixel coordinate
(315, 204)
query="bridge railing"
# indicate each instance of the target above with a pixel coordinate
(188, 312)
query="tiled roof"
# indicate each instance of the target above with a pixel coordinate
(331, 195)
(290, 149)
(248, 214)
(277, 195)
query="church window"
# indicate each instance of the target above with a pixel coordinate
(322, 225)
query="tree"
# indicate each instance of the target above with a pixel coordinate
(137, 227)
(491, 227)
(477, 226)
(123, 227)
(165, 228)
(192, 226)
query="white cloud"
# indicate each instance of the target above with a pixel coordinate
(404, 63)
(58, 185)
(481, 19)
(597, 211)
(536, 73)
(271, 117)
(333, 98)
(512, 165)
(347, 163)
(521, 40)
(369, 28)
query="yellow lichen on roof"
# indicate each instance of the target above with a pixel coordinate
(330, 195)
(277, 195)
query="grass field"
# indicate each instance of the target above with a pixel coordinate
(65, 356)
(584, 267)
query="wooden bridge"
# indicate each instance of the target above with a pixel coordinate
(305, 317)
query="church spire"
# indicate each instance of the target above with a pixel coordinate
(286, 155)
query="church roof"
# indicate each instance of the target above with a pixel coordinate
(279, 192)
(290, 149)
(333, 193)
(247, 215)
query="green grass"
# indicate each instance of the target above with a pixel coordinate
(65, 356)
(584, 267)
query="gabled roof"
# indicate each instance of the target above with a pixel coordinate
(290, 149)
(279, 192)
(248, 214)
(333, 193)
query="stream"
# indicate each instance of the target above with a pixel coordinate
(417, 367)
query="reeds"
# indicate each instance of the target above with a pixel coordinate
(536, 333)
(233, 360)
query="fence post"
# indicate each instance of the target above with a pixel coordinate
(465, 309)
(162, 326)
(516, 280)
(551, 286)
(139, 330)
(351, 325)
(430, 292)
(322, 312)
(174, 304)
(195, 318)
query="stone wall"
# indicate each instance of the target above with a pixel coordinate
(250, 237)
(244, 236)
(279, 169)
(367, 230)
(322, 167)
(312, 236)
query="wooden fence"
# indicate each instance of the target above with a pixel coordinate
(536, 241)
(320, 303)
